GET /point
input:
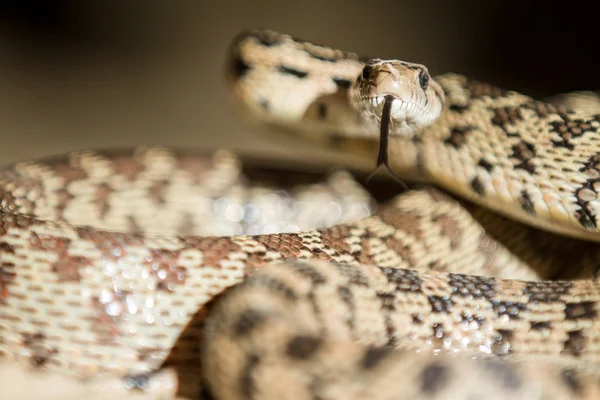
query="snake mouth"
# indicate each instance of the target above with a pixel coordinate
(401, 109)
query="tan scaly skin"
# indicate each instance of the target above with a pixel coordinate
(110, 273)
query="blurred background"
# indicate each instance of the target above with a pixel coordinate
(80, 74)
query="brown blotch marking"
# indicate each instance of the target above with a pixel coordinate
(7, 277)
(292, 71)
(575, 344)
(364, 255)
(307, 270)
(67, 267)
(238, 66)
(525, 153)
(405, 280)
(127, 167)
(196, 168)
(335, 238)
(450, 228)
(399, 247)
(302, 347)
(547, 291)
(507, 117)
(584, 215)
(6, 248)
(10, 220)
(477, 186)
(40, 351)
(568, 129)
(374, 355)
(540, 325)
(485, 164)
(405, 221)
(440, 304)
(434, 377)
(272, 284)
(583, 310)
(527, 203)
(388, 306)
(458, 137)
(289, 245)
(353, 274)
(572, 381)
(458, 108)
(592, 166)
(247, 385)
(217, 249)
(247, 321)
(479, 89)
(472, 286)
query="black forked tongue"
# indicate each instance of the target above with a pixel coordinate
(384, 135)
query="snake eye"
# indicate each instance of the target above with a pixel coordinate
(423, 79)
(366, 72)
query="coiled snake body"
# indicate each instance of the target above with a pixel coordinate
(105, 275)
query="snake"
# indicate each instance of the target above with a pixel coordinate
(149, 273)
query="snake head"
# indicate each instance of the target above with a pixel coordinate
(418, 99)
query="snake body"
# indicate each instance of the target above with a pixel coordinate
(108, 273)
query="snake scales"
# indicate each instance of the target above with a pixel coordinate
(110, 275)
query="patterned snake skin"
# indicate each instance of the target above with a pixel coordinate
(150, 274)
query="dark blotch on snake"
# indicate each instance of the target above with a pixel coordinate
(477, 186)
(374, 355)
(433, 378)
(273, 284)
(291, 71)
(527, 203)
(575, 344)
(247, 321)
(539, 325)
(485, 164)
(238, 67)
(303, 346)
(583, 310)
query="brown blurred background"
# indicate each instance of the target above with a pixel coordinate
(119, 73)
